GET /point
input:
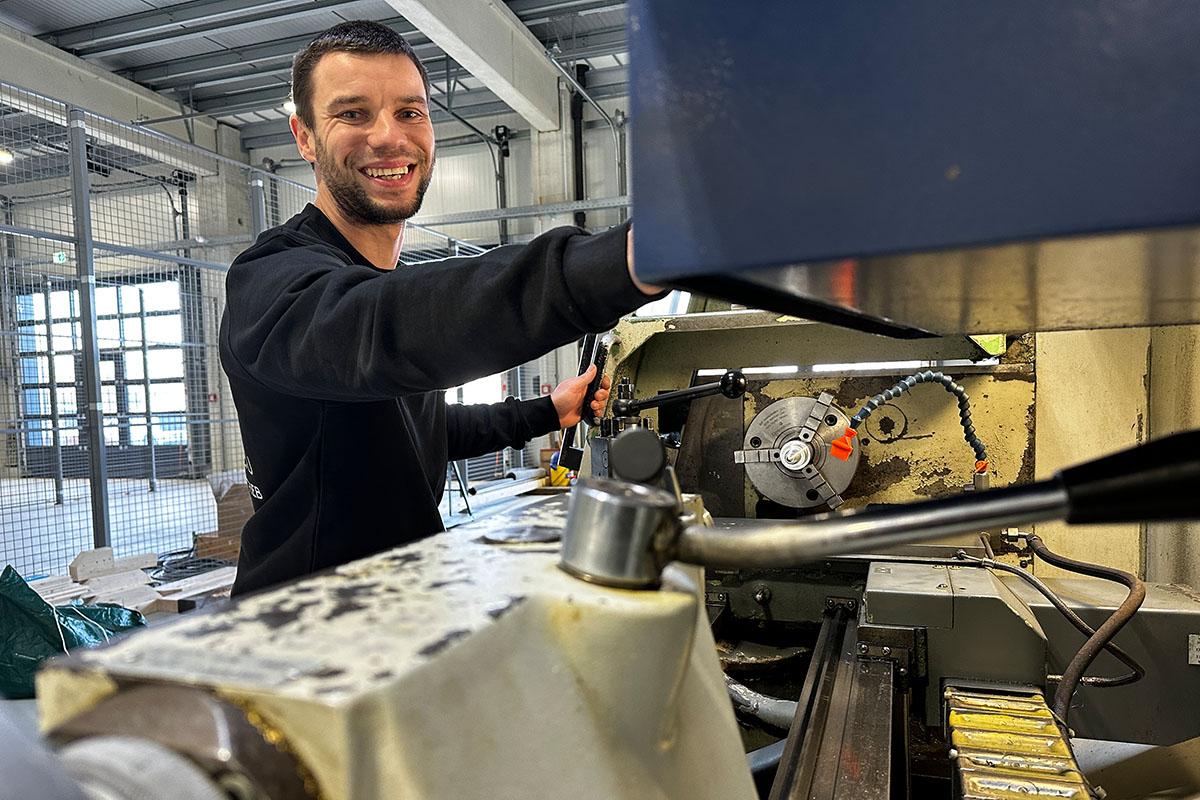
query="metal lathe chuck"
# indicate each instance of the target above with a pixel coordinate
(800, 452)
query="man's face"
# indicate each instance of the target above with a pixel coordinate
(372, 140)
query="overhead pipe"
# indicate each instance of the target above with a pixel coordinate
(579, 90)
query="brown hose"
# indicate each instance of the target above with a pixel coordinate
(1104, 634)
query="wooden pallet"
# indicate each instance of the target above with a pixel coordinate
(58, 589)
(210, 583)
(99, 562)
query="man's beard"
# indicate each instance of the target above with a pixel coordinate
(353, 199)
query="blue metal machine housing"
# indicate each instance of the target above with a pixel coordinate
(847, 136)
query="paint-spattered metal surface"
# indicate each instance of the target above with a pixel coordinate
(382, 674)
(912, 448)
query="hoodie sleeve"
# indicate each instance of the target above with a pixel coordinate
(302, 320)
(475, 430)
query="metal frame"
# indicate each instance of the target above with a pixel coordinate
(94, 431)
(837, 746)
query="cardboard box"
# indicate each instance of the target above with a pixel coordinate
(233, 509)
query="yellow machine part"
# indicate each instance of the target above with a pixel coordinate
(1007, 746)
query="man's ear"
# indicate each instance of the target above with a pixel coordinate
(304, 139)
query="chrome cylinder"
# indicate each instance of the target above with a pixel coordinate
(616, 533)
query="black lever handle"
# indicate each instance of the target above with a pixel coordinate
(569, 455)
(732, 384)
(600, 359)
(1159, 480)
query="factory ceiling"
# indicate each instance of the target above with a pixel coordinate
(230, 59)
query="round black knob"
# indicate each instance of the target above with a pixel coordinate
(733, 383)
(637, 455)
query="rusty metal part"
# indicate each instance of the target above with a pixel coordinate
(1007, 746)
(230, 743)
(743, 655)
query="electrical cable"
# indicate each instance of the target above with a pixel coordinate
(928, 376)
(185, 564)
(1138, 672)
(1104, 634)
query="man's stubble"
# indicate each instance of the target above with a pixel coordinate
(353, 199)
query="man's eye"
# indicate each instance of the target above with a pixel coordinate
(349, 115)
(410, 114)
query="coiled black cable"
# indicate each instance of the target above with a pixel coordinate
(928, 376)
(184, 564)
(1137, 673)
(1104, 634)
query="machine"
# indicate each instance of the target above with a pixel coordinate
(810, 581)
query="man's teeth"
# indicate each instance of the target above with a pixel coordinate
(393, 172)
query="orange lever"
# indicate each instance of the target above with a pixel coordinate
(842, 448)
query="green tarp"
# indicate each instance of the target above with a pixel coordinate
(32, 631)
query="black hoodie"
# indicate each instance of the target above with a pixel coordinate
(338, 369)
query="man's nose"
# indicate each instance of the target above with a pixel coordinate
(386, 132)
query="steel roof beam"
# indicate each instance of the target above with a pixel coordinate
(494, 45)
(534, 12)
(250, 54)
(284, 72)
(225, 68)
(280, 66)
(126, 45)
(602, 80)
(154, 20)
(603, 42)
(599, 43)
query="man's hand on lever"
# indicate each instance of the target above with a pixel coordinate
(568, 397)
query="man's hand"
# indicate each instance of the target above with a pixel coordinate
(645, 288)
(568, 397)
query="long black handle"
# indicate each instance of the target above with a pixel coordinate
(569, 455)
(732, 384)
(1159, 480)
(1155, 481)
(600, 359)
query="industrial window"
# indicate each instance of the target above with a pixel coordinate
(142, 390)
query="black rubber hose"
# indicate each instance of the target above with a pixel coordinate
(928, 376)
(766, 758)
(1138, 672)
(1104, 634)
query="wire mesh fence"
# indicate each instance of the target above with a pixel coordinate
(116, 420)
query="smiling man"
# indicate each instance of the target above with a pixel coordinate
(337, 358)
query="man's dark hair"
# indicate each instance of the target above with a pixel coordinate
(354, 36)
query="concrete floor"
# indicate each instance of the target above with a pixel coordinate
(39, 537)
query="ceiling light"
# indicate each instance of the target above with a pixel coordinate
(6, 157)
(289, 107)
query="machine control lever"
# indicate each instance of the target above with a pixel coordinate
(570, 456)
(1155, 481)
(732, 384)
(600, 359)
